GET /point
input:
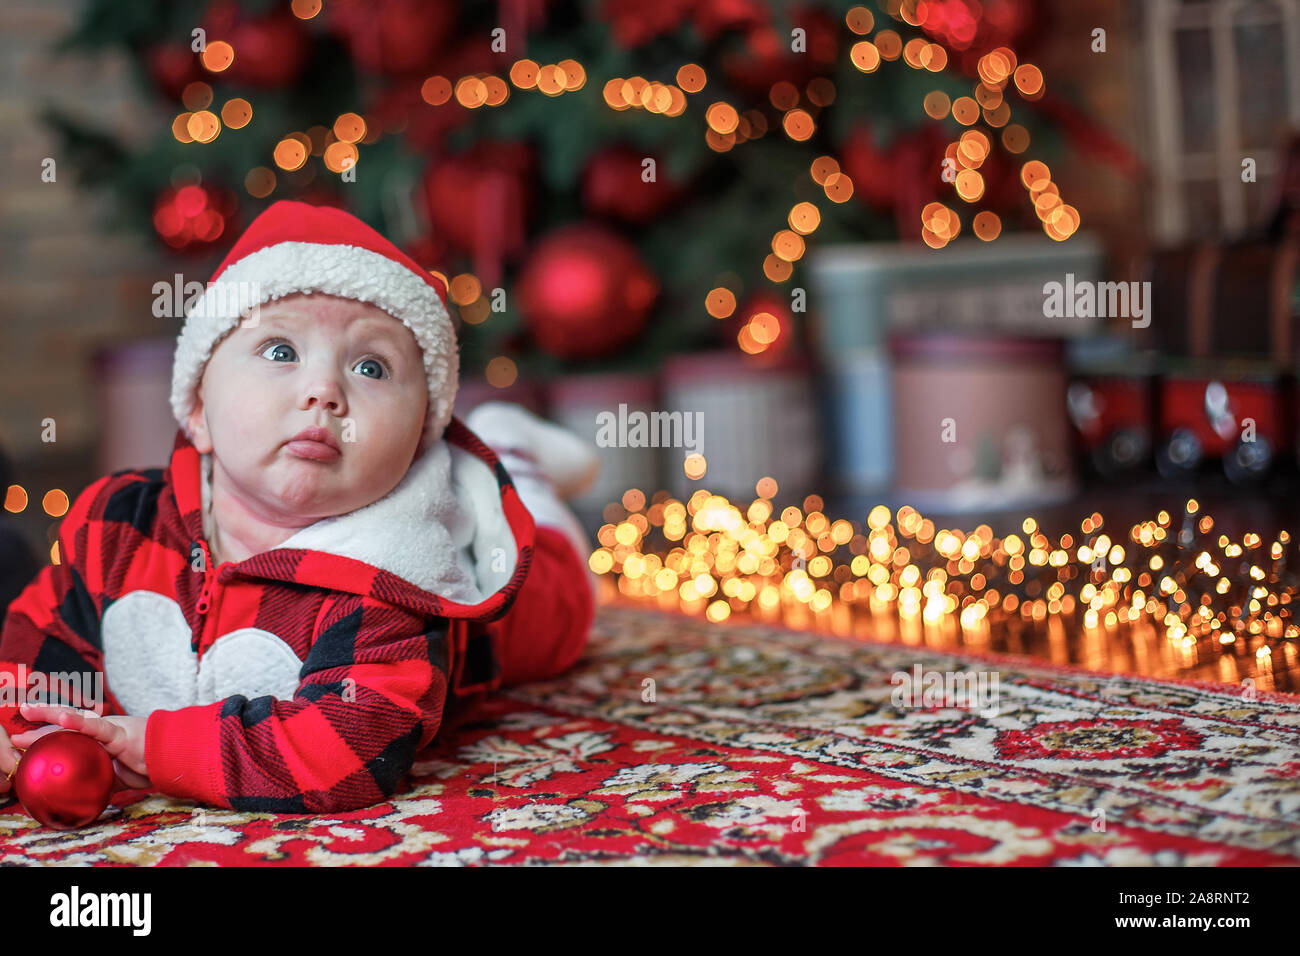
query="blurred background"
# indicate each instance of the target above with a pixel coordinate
(829, 228)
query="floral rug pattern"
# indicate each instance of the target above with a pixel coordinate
(677, 741)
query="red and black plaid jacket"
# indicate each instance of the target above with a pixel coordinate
(295, 681)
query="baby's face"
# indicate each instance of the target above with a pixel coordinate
(312, 360)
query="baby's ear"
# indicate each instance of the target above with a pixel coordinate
(198, 429)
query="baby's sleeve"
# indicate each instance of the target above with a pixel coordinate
(546, 630)
(371, 695)
(52, 627)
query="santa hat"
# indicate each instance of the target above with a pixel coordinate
(295, 247)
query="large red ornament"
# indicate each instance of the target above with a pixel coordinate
(971, 28)
(768, 59)
(65, 779)
(612, 185)
(585, 292)
(633, 22)
(478, 203)
(902, 178)
(270, 51)
(392, 36)
(172, 67)
(194, 217)
(718, 16)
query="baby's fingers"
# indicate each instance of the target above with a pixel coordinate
(29, 737)
(128, 779)
(70, 718)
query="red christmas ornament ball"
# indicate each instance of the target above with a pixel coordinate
(612, 185)
(478, 200)
(65, 779)
(193, 217)
(585, 291)
(392, 36)
(270, 50)
(172, 67)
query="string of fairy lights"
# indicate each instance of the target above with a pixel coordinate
(1172, 575)
(726, 127)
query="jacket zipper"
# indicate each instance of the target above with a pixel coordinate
(205, 596)
(204, 604)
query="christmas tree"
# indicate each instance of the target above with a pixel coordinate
(600, 183)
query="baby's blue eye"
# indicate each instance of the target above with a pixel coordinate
(376, 364)
(278, 345)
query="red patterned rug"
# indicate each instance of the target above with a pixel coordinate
(677, 741)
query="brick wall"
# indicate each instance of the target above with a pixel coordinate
(68, 284)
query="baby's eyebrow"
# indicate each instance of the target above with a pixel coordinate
(387, 327)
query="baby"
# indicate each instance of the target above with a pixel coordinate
(331, 559)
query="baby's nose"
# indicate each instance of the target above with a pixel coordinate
(325, 392)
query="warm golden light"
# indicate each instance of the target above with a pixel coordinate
(237, 113)
(822, 168)
(965, 110)
(798, 125)
(804, 218)
(436, 90)
(838, 187)
(217, 56)
(290, 154)
(722, 118)
(203, 126)
(691, 78)
(55, 503)
(259, 182)
(860, 20)
(720, 302)
(865, 55)
(937, 104)
(15, 499)
(501, 372)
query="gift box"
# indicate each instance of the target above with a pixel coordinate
(980, 423)
(757, 418)
(589, 405)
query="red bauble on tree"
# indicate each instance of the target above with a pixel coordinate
(478, 203)
(870, 167)
(585, 292)
(172, 67)
(65, 779)
(718, 16)
(902, 178)
(970, 28)
(270, 51)
(768, 58)
(194, 217)
(634, 22)
(392, 36)
(613, 184)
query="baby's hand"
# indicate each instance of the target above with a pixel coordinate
(122, 737)
(8, 761)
